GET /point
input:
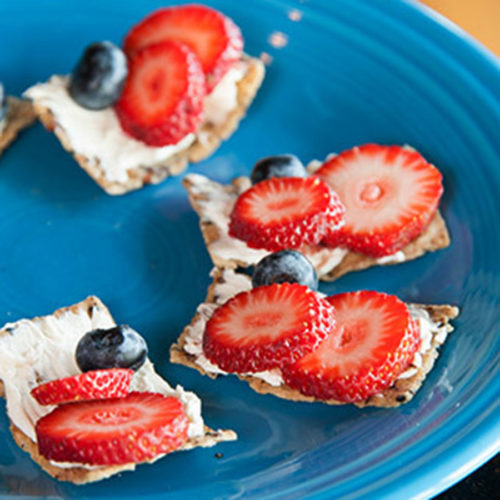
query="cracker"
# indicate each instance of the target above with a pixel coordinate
(434, 237)
(80, 475)
(400, 392)
(208, 139)
(20, 114)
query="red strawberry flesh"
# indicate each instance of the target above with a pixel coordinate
(390, 194)
(162, 100)
(96, 384)
(267, 327)
(215, 39)
(284, 213)
(375, 341)
(113, 431)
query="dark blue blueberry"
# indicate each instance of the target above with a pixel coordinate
(286, 266)
(117, 347)
(3, 105)
(98, 78)
(277, 166)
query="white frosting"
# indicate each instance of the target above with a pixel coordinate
(216, 205)
(98, 135)
(234, 283)
(39, 350)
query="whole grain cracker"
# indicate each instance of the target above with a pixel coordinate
(20, 114)
(208, 139)
(399, 393)
(80, 475)
(434, 237)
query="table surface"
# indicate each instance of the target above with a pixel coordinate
(481, 19)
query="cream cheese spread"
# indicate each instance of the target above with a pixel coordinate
(98, 136)
(395, 258)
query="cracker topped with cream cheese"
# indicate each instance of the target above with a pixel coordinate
(20, 114)
(213, 202)
(34, 351)
(119, 163)
(433, 322)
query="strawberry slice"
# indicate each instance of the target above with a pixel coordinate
(267, 327)
(215, 39)
(96, 384)
(390, 194)
(162, 100)
(284, 213)
(113, 431)
(375, 341)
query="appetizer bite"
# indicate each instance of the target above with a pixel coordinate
(134, 115)
(84, 400)
(276, 332)
(368, 206)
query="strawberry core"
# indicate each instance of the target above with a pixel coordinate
(352, 335)
(371, 192)
(268, 320)
(117, 416)
(283, 204)
(154, 84)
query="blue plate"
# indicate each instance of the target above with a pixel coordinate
(346, 72)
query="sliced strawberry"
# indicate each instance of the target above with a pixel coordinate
(375, 341)
(215, 39)
(287, 212)
(113, 431)
(162, 100)
(267, 327)
(390, 194)
(97, 384)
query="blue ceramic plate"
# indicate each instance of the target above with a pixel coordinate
(348, 72)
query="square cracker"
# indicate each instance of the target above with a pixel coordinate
(208, 139)
(80, 475)
(434, 237)
(400, 392)
(20, 114)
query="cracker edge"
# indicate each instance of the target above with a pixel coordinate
(20, 114)
(207, 141)
(434, 237)
(401, 392)
(80, 475)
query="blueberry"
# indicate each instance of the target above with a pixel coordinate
(3, 104)
(286, 266)
(117, 347)
(277, 166)
(98, 78)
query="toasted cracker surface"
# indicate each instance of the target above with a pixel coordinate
(434, 237)
(399, 393)
(20, 115)
(81, 475)
(208, 139)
